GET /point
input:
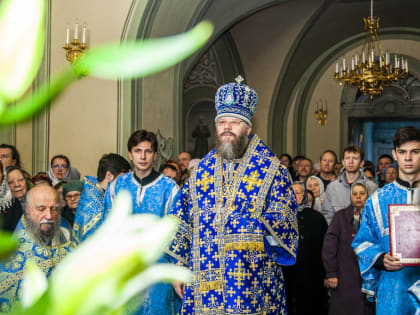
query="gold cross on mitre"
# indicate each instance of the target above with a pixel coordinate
(239, 79)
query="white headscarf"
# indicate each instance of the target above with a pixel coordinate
(318, 200)
(5, 193)
(71, 174)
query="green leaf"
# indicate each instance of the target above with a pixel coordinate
(138, 59)
(35, 102)
(22, 38)
(7, 244)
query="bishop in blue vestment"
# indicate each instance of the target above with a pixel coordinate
(237, 219)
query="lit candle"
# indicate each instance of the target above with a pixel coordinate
(76, 31)
(395, 58)
(68, 33)
(406, 65)
(84, 33)
(373, 55)
(344, 64)
(336, 67)
(370, 62)
(380, 60)
(363, 57)
(352, 64)
(371, 10)
(356, 59)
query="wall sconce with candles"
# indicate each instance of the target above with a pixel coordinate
(321, 112)
(75, 49)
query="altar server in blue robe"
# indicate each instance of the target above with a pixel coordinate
(91, 204)
(237, 219)
(384, 277)
(152, 193)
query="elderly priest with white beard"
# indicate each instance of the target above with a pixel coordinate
(41, 239)
(237, 219)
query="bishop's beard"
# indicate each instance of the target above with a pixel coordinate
(35, 228)
(233, 149)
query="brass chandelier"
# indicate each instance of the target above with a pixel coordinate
(372, 69)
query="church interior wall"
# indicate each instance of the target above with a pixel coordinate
(319, 138)
(263, 41)
(83, 121)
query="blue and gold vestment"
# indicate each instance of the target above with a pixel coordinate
(155, 198)
(234, 233)
(89, 213)
(372, 240)
(46, 257)
(89, 216)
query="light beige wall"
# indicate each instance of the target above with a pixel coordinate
(24, 144)
(320, 138)
(263, 41)
(158, 110)
(83, 121)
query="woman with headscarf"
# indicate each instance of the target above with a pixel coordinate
(10, 208)
(315, 184)
(304, 281)
(60, 170)
(340, 262)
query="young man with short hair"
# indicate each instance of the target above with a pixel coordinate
(9, 155)
(338, 194)
(383, 275)
(151, 192)
(327, 162)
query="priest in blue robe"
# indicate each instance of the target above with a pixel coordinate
(384, 277)
(152, 193)
(42, 240)
(89, 213)
(237, 219)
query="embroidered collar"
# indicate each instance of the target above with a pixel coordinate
(406, 184)
(148, 179)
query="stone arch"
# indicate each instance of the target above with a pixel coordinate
(153, 18)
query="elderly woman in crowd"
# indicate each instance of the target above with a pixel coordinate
(10, 208)
(60, 170)
(340, 262)
(316, 185)
(18, 184)
(304, 281)
(390, 173)
(71, 192)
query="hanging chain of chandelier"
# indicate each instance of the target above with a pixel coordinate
(372, 69)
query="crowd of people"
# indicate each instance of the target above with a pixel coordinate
(261, 234)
